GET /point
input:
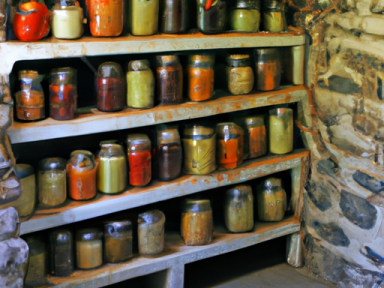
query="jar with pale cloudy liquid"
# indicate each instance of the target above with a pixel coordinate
(89, 248)
(151, 232)
(280, 130)
(144, 17)
(67, 20)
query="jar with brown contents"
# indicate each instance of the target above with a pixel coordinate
(117, 241)
(268, 68)
(240, 76)
(151, 232)
(62, 254)
(169, 76)
(89, 248)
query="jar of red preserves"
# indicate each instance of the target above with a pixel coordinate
(169, 74)
(139, 159)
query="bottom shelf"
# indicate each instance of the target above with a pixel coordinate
(175, 255)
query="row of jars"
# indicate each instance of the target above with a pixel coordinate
(32, 20)
(94, 246)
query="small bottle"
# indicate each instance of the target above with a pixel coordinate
(196, 222)
(110, 87)
(230, 145)
(67, 20)
(201, 77)
(30, 104)
(268, 68)
(151, 232)
(112, 171)
(38, 260)
(169, 75)
(81, 170)
(52, 182)
(240, 76)
(273, 16)
(280, 130)
(238, 209)
(271, 200)
(144, 17)
(62, 252)
(139, 159)
(89, 248)
(199, 145)
(117, 241)
(141, 85)
(25, 205)
(211, 16)
(245, 16)
(63, 93)
(173, 16)
(106, 18)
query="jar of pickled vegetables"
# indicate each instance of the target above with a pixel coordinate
(245, 16)
(25, 205)
(151, 232)
(268, 68)
(169, 76)
(106, 18)
(139, 159)
(62, 252)
(117, 241)
(230, 145)
(67, 20)
(240, 76)
(211, 16)
(89, 248)
(273, 16)
(38, 260)
(201, 77)
(173, 16)
(280, 130)
(144, 17)
(271, 200)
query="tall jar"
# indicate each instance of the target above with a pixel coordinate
(30, 104)
(62, 252)
(144, 17)
(110, 87)
(230, 145)
(63, 93)
(268, 67)
(240, 76)
(169, 76)
(117, 241)
(238, 209)
(112, 171)
(294, 59)
(273, 16)
(173, 16)
(89, 248)
(245, 16)
(196, 222)
(25, 205)
(271, 200)
(38, 260)
(81, 170)
(199, 146)
(201, 77)
(151, 232)
(169, 153)
(106, 18)
(141, 85)
(280, 130)
(139, 159)
(52, 182)
(211, 16)
(67, 20)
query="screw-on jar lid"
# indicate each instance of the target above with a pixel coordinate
(89, 234)
(61, 236)
(31, 74)
(151, 217)
(250, 4)
(201, 58)
(271, 182)
(228, 130)
(139, 65)
(138, 142)
(272, 4)
(165, 60)
(54, 163)
(193, 205)
(110, 70)
(238, 60)
(168, 135)
(198, 132)
(254, 121)
(239, 191)
(113, 228)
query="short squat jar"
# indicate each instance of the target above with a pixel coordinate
(245, 16)
(89, 248)
(38, 260)
(229, 145)
(110, 87)
(169, 76)
(196, 222)
(280, 130)
(211, 16)
(271, 200)
(25, 205)
(139, 159)
(173, 16)
(106, 18)
(268, 68)
(144, 17)
(52, 182)
(67, 20)
(201, 75)
(62, 252)
(151, 232)
(117, 241)
(273, 16)
(238, 209)
(239, 72)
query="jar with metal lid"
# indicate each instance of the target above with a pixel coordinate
(280, 130)
(67, 20)
(199, 146)
(81, 170)
(238, 209)
(169, 76)
(38, 260)
(89, 248)
(144, 17)
(229, 145)
(151, 232)
(173, 16)
(25, 205)
(169, 153)
(63, 93)
(62, 252)
(106, 18)
(112, 171)
(211, 16)
(141, 85)
(30, 104)
(271, 200)
(196, 222)
(240, 76)
(110, 87)
(201, 77)
(268, 68)
(245, 16)
(52, 182)
(117, 241)
(139, 159)
(273, 16)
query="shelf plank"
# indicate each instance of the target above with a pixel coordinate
(74, 211)
(97, 121)
(176, 254)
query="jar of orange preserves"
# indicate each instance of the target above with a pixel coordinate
(200, 77)
(106, 17)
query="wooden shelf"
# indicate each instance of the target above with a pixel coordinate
(175, 256)
(97, 121)
(74, 211)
